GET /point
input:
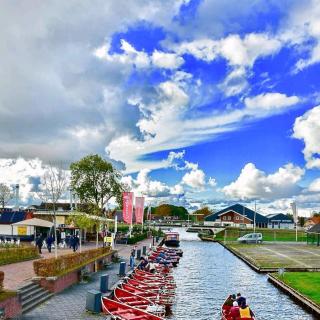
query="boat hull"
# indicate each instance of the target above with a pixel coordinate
(172, 243)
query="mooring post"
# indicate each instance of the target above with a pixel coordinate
(144, 250)
(138, 254)
(122, 269)
(93, 301)
(104, 283)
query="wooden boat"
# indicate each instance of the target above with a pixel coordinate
(136, 301)
(121, 311)
(225, 309)
(158, 298)
(153, 275)
(149, 279)
(151, 285)
(171, 239)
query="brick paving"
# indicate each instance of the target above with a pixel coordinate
(70, 304)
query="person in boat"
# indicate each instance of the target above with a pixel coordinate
(245, 312)
(234, 312)
(230, 300)
(151, 267)
(143, 263)
(242, 301)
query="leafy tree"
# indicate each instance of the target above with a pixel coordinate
(5, 195)
(202, 213)
(170, 210)
(96, 181)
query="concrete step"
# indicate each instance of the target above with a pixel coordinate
(35, 303)
(31, 293)
(28, 287)
(34, 298)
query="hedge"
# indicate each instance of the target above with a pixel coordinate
(1, 280)
(136, 238)
(57, 266)
(12, 255)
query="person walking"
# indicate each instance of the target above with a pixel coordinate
(73, 243)
(132, 256)
(39, 243)
(49, 242)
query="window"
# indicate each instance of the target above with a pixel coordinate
(237, 217)
(224, 218)
(229, 218)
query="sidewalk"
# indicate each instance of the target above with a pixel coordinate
(71, 303)
(18, 273)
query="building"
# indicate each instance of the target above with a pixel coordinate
(237, 215)
(280, 221)
(312, 222)
(8, 217)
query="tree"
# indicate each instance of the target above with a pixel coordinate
(202, 213)
(5, 195)
(95, 181)
(54, 183)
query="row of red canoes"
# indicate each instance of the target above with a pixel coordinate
(144, 295)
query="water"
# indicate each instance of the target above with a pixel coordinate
(208, 273)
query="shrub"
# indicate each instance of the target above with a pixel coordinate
(58, 266)
(137, 237)
(17, 254)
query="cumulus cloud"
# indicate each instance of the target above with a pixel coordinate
(195, 179)
(269, 101)
(315, 185)
(253, 183)
(307, 128)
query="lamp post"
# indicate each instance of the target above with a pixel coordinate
(254, 218)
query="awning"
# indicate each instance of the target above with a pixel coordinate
(35, 222)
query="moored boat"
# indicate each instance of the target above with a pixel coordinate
(225, 310)
(171, 239)
(123, 311)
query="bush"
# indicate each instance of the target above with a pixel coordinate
(17, 254)
(137, 237)
(63, 264)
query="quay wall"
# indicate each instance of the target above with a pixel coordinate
(11, 306)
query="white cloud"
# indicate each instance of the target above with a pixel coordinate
(253, 183)
(269, 101)
(307, 128)
(212, 182)
(235, 82)
(196, 179)
(166, 60)
(315, 185)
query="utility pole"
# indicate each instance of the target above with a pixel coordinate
(254, 219)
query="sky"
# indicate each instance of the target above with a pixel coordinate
(195, 102)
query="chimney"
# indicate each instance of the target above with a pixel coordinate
(16, 196)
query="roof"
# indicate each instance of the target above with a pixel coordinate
(9, 217)
(240, 209)
(34, 222)
(314, 229)
(279, 217)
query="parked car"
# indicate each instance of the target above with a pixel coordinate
(251, 238)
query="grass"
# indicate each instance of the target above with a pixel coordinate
(306, 283)
(233, 234)
(6, 294)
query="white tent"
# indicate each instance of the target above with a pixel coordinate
(34, 222)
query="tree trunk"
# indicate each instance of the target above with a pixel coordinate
(97, 239)
(80, 234)
(55, 232)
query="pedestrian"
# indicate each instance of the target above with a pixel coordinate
(77, 242)
(74, 243)
(39, 243)
(49, 242)
(132, 259)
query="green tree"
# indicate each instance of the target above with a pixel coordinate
(96, 181)
(202, 213)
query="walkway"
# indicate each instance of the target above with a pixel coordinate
(70, 304)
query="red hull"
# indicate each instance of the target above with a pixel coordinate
(225, 308)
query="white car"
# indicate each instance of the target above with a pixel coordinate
(251, 238)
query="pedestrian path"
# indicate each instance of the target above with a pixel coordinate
(70, 304)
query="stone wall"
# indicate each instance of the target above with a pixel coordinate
(11, 306)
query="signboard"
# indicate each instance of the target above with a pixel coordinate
(139, 209)
(109, 239)
(127, 206)
(22, 230)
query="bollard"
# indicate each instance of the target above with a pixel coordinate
(157, 239)
(144, 250)
(93, 301)
(122, 269)
(104, 283)
(138, 254)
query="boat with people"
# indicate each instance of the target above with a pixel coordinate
(122, 311)
(230, 310)
(171, 239)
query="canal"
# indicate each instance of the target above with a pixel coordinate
(208, 273)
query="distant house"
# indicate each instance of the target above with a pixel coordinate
(237, 215)
(280, 221)
(312, 222)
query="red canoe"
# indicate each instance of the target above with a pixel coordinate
(122, 311)
(136, 301)
(153, 286)
(225, 309)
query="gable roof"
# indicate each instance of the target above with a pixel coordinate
(9, 217)
(279, 217)
(240, 209)
(315, 229)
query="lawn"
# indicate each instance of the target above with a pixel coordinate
(306, 283)
(233, 234)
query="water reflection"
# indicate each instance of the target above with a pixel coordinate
(208, 273)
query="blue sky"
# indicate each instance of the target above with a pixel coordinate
(196, 102)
